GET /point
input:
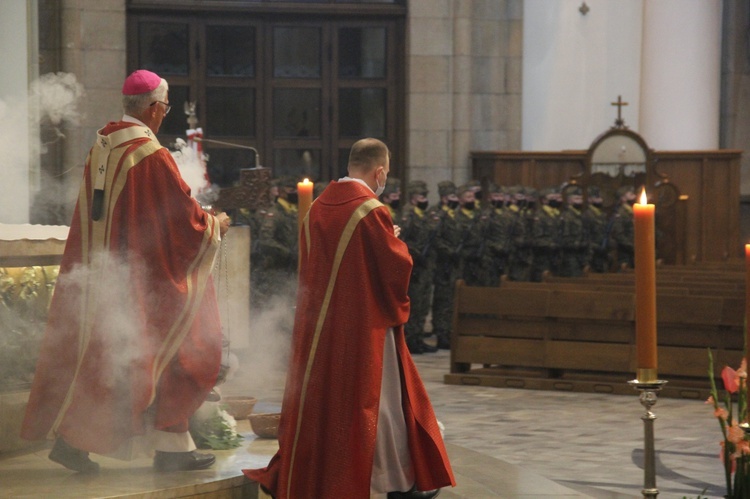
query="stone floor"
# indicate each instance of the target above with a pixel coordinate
(503, 443)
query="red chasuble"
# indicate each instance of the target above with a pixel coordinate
(354, 276)
(133, 322)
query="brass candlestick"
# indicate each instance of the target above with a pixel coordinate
(648, 390)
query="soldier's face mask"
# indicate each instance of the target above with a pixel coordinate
(292, 197)
(469, 205)
(452, 204)
(422, 205)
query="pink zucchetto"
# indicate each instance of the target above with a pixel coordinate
(140, 82)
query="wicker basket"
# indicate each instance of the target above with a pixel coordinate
(265, 425)
(239, 407)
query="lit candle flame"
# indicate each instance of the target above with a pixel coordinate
(644, 199)
(306, 181)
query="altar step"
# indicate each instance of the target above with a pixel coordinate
(538, 379)
(33, 475)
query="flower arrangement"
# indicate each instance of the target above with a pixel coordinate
(735, 448)
(216, 431)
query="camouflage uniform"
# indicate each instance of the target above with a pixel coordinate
(573, 242)
(597, 232)
(623, 234)
(447, 241)
(521, 257)
(545, 240)
(498, 236)
(471, 224)
(417, 233)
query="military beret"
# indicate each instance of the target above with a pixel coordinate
(573, 191)
(286, 181)
(416, 187)
(392, 185)
(446, 188)
(624, 190)
(493, 187)
(594, 191)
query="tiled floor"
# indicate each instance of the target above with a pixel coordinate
(503, 443)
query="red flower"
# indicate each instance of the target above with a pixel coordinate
(731, 379)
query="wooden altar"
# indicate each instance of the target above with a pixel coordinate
(708, 182)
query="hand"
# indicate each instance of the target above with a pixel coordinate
(224, 222)
(396, 230)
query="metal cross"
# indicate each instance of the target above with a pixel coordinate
(619, 122)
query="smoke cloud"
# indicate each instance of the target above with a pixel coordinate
(51, 102)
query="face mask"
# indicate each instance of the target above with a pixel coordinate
(395, 204)
(478, 195)
(422, 205)
(578, 206)
(469, 205)
(381, 188)
(530, 204)
(553, 203)
(292, 197)
(452, 204)
(498, 204)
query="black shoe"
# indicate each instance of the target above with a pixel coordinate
(415, 347)
(444, 344)
(72, 458)
(427, 348)
(182, 461)
(414, 494)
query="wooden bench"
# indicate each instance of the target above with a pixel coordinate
(581, 336)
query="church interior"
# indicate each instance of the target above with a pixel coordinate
(549, 386)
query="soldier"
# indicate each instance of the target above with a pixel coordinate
(475, 186)
(278, 245)
(471, 244)
(597, 231)
(445, 274)
(391, 197)
(498, 236)
(546, 234)
(574, 246)
(519, 260)
(417, 232)
(623, 231)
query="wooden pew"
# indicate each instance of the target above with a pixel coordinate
(557, 336)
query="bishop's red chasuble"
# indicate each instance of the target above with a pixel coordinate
(353, 282)
(133, 323)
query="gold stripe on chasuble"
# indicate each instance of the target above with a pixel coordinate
(95, 239)
(200, 272)
(361, 212)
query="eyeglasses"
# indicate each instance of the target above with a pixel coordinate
(167, 107)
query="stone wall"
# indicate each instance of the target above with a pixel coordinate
(464, 84)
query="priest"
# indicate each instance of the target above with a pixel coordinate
(133, 340)
(355, 419)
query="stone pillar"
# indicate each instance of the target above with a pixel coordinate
(681, 77)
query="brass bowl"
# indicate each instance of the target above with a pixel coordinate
(239, 407)
(265, 425)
